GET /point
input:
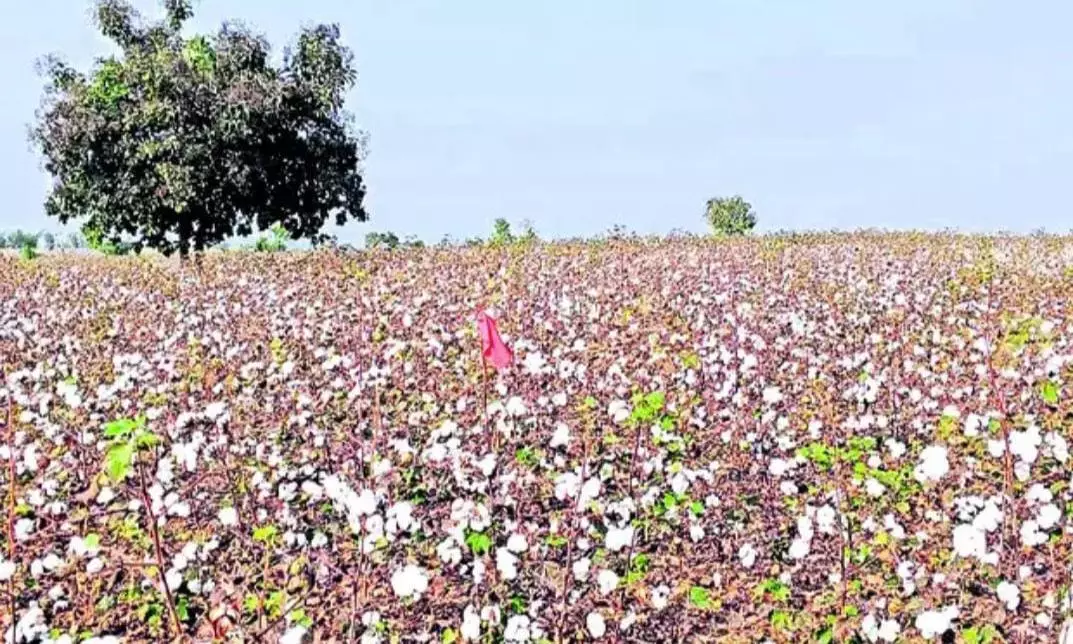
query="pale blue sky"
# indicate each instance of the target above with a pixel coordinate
(579, 114)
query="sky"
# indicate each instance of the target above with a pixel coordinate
(581, 114)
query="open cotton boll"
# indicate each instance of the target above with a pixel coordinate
(933, 464)
(294, 635)
(607, 580)
(618, 538)
(933, 623)
(1009, 594)
(747, 555)
(409, 581)
(561, 436)
(595, 624)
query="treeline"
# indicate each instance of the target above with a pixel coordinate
(44, 240)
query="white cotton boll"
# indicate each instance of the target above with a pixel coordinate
(173, 578)
(228, 516)
(180, 509)
(1059, 447)
(1049, 516)
(628, 621)
(934, 623)
(517, 543)
(581, 568)
(594, 622)
(889, 630)
(403, 514)
(517, 629)
(874, 488)
(778, 467)
(1039, 494)
(506, 563)
(95, 565)
(680, 483)
(933, 464)
(487, 464)
(896, 448)
(516, 407)
(607, 580)
(409, 581)
(747, 555)
(772, 395)
(696, 532)
(471, 624)
(365, 504)
(800, 547)
(7, 569)
(23, 529)
(1009, 594)
(969, 541)
(591, 490)
(51, 562)
(996, 448)
(294, 635)
(660, 595)
(1031, 535)
(561, 437)
(618, 538)
(449, 551)
(1025, 444)
(567, 485)
(825, 519)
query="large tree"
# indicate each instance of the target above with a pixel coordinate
(729, 215)
(180, 142)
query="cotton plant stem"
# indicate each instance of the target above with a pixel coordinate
(11, 513)
(568, 573)
(158, 551)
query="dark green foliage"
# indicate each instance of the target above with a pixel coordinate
(391, 241)
(730, 216)
(179, 143)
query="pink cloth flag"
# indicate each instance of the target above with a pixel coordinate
(493, 349)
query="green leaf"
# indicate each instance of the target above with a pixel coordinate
(450, 636)
(92, 540)
(697, 508)
(265, 533)
(119, 428)
(299, 617)
(782, 620)
(479, 543)
(1049, 391)
(182, 608)
(700, 597)
(118, 461)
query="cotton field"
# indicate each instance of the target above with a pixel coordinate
(822, 438)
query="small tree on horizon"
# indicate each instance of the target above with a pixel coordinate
(730, 215)
(179, 143)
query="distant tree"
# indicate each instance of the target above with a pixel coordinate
(178, 143)
(529, 234)
(75, 241)
(730, 216)
(501, 233)
(275, 243)
(388, 240)
(412, 241)
(47, 240)
(21, 239)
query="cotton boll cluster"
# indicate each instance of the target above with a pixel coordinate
(933, 623)
(933, 465)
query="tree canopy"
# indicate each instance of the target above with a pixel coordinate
(178, 143)
(730, 215)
